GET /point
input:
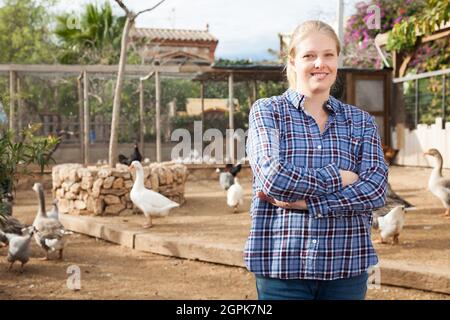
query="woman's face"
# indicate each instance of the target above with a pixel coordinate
(315, 64)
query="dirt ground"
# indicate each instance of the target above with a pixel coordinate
(110, 271)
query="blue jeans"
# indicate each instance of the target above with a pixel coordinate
(353, 288)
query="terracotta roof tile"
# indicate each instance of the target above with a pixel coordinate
(173, 34)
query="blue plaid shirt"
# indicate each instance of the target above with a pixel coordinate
(292, 160)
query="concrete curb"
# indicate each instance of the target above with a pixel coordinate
(392, 272)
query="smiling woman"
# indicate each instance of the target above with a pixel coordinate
(319, 172)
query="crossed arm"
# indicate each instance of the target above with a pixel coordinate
(325, 191)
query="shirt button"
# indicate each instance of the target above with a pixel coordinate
(314, 241)
(319, 147)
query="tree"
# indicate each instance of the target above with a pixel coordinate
(129, 22)
(92, 38)
(24, 33)
(359, 49)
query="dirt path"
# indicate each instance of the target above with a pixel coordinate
(109, 271)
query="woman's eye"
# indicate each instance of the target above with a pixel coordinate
(307, 56)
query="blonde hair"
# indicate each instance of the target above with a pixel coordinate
(301, 32)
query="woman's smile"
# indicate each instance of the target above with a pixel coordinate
(319, 75)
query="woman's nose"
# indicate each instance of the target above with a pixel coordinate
(318, 63)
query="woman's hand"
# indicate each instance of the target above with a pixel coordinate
(298, 205)
(348, 177)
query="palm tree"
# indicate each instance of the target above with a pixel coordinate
(92, 38)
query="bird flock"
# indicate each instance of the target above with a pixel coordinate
(48, 232)
(51, 236)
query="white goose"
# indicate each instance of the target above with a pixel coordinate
(437, 184)
(151, 203)
(50, 233)
(235, 195)
(391, 225)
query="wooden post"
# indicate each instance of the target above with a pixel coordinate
(81, 130)
(141, 117)
(12, 99)
(444, 111)
(86, 117)
(254, 90)
(19, 105)
(202, 98)
(158, 113)
(231, 114)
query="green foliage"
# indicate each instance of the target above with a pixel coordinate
(24, 34)
(92, 38)
(404, 34)
(359, 49)
(16, 156)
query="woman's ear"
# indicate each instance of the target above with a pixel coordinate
(292, 61)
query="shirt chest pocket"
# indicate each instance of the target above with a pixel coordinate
(349, 151)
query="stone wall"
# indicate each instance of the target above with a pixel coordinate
(106, 191)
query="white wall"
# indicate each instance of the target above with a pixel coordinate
(420, 140)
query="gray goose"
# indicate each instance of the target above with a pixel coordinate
(50, 233)
(438, 184)
(19, 247)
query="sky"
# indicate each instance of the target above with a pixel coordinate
(246, 29)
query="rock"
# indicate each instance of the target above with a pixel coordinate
(114, 209)
(169, 176)
(108, 182)
(121, 167)
(63, 205)
(148, 184)
(87, 182)
(104, 172)
(59, 193)
(80, 205)
(95, 205)
(115, 192)
(118, 183)
(154, 182)
(96, 187)
(75, 188)
(66, 185)
(84, 173)
(126, 176)
(110, 199)
(162, 176)
(73, 176)
(128, 184)
(70, 196)
(83, 195)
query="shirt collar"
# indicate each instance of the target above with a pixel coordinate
(298, 100)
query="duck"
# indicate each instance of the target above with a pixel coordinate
(227, 175)
(9, 224)
(391, 225)
(392, 200)
(135, 156)
(18, 246)
(235, 195)
(151, 203)
(437, 183)
(50, 234)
